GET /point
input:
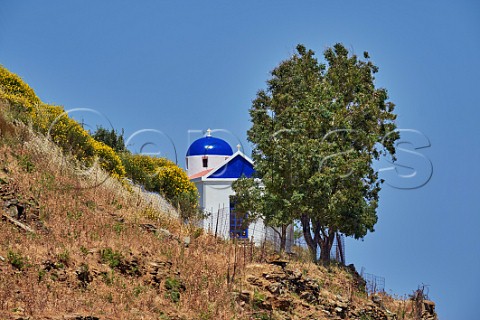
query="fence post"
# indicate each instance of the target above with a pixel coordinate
(216, 224)
(252, 246)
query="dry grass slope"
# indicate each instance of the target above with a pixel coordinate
(101, 250)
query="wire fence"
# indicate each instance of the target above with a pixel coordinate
(373, 283)
(218, 223)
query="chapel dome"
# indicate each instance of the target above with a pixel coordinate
(209, 145)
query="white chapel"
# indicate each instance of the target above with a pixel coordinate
(213, 167)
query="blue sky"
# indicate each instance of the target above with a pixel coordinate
(178, 67)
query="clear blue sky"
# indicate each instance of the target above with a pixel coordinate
(181, 66)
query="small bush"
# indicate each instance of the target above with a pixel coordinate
(258, 299)
(173, 287)
(64, 257)
(17, 260)
(113, 258)
(108, 278)
(26, 163)
(118, 228)
(41, 274)
(84, 251)
(138, 290)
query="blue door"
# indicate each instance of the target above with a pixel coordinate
(236, 223)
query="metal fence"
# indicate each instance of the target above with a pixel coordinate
(373, 283)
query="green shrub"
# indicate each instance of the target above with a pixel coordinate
(113, 258)
(108, 278)
(17, 260)
(64, 257)
(173, 287)
(111, 138)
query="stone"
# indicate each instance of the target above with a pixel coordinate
(280, 263)
(295, 275)
(377, 299)
(186, 241)
(163, 232)
(326, 312)
(275, 288)
(13, 211)
(79, 317)
(308, 296)
(276, 276)
(283, 304)
(429, 306)
(254, 281)
(84, 275)
(245, 296)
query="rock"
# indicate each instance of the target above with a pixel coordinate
(283, 303)
(13, 211)
(342, 305)
(254, 281)
(186, 241)
(429, 306)
(245, 296)
(275, 276)
(308, 296)
(150, 227)
(281, 263)
(275, 288)
(294, 275)
(79, 317)
(377, 299)
(163, 232)
(84, 275)
(2, 258)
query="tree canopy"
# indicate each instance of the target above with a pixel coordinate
(111, 138)
(316, 131)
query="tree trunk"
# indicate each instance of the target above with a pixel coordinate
(326, 243)
(283, 239)
(340, 248)
(311, 243)
(282, 234)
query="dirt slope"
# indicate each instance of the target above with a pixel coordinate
(76, 244)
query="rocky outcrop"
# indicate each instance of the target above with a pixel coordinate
(285, 293)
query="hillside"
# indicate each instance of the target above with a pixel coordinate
(82, 244)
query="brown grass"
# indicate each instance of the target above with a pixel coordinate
(80, 215)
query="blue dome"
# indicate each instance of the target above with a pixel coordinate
(209, 146)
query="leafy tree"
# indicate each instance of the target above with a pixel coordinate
(316, 131)
(111, 138)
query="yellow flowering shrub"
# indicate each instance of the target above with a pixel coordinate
(173, 181)
(163, 176)
(155, 174)
(109, 160)
(55, 123)
(15, 91)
